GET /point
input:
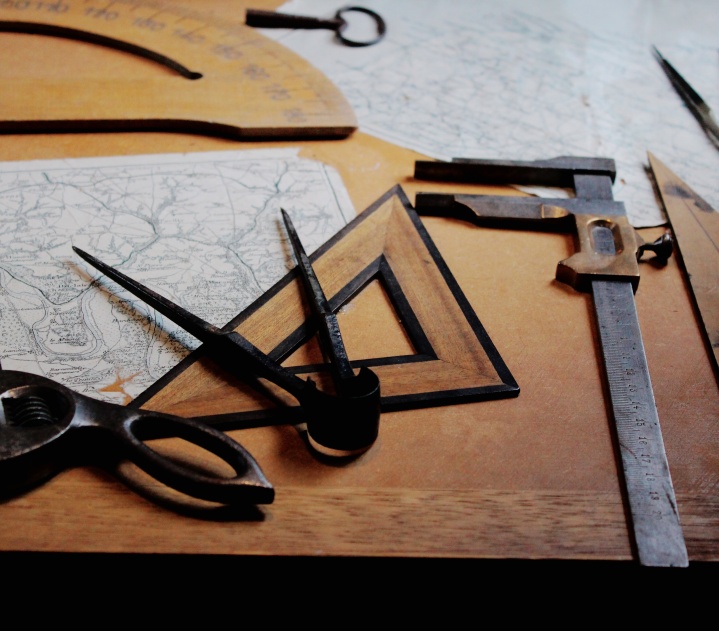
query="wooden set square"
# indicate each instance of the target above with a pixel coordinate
(454, 359)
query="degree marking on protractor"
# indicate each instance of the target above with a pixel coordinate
(251, 86)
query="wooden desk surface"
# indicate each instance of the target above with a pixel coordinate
(535, 477)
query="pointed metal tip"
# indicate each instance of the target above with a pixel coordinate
(666, 66)
(95, 262)
(288, 222)
(82, 254)
(294, 237)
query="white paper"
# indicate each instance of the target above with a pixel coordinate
(526, 80)
(202, 229)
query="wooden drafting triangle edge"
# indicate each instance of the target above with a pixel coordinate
(455, 361)
(695, 225)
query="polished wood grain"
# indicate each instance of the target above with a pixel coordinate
(533, 477)
(386, 243)
(150, 66)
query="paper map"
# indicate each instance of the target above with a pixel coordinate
(203, 229)
(525, 80)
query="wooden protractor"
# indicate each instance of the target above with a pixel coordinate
(142, 65)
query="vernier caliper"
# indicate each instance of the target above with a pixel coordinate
(606, 265)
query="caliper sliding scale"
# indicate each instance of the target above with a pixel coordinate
(606, 265)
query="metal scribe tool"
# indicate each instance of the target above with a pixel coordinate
(606, 265)
(338, 425)
(362, 387)
(694, 102)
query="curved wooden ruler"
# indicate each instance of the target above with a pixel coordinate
(206, 74)
(454, 360)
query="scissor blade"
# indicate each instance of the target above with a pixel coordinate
(329, 332)
(691, 98)
(695, 226)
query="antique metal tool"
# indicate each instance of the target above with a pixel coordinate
(440, 354)
(695, 226)
(338, 424)
(178, 69)
(696, 104)
(44, 425)
(338, 24)
(607, 266)
(361, 391)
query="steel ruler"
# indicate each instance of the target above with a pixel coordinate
(605, 265)
(657, 530)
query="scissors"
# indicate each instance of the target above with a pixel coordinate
(338, 24)
(45, 425)
(340, 424)
(696, 104)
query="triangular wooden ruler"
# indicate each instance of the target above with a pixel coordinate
(695, 225)
(454, 361)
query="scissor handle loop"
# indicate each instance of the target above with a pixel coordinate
(248, 485)
(381, 26)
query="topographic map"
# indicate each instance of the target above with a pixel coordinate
(203, 229)
(527, 80)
